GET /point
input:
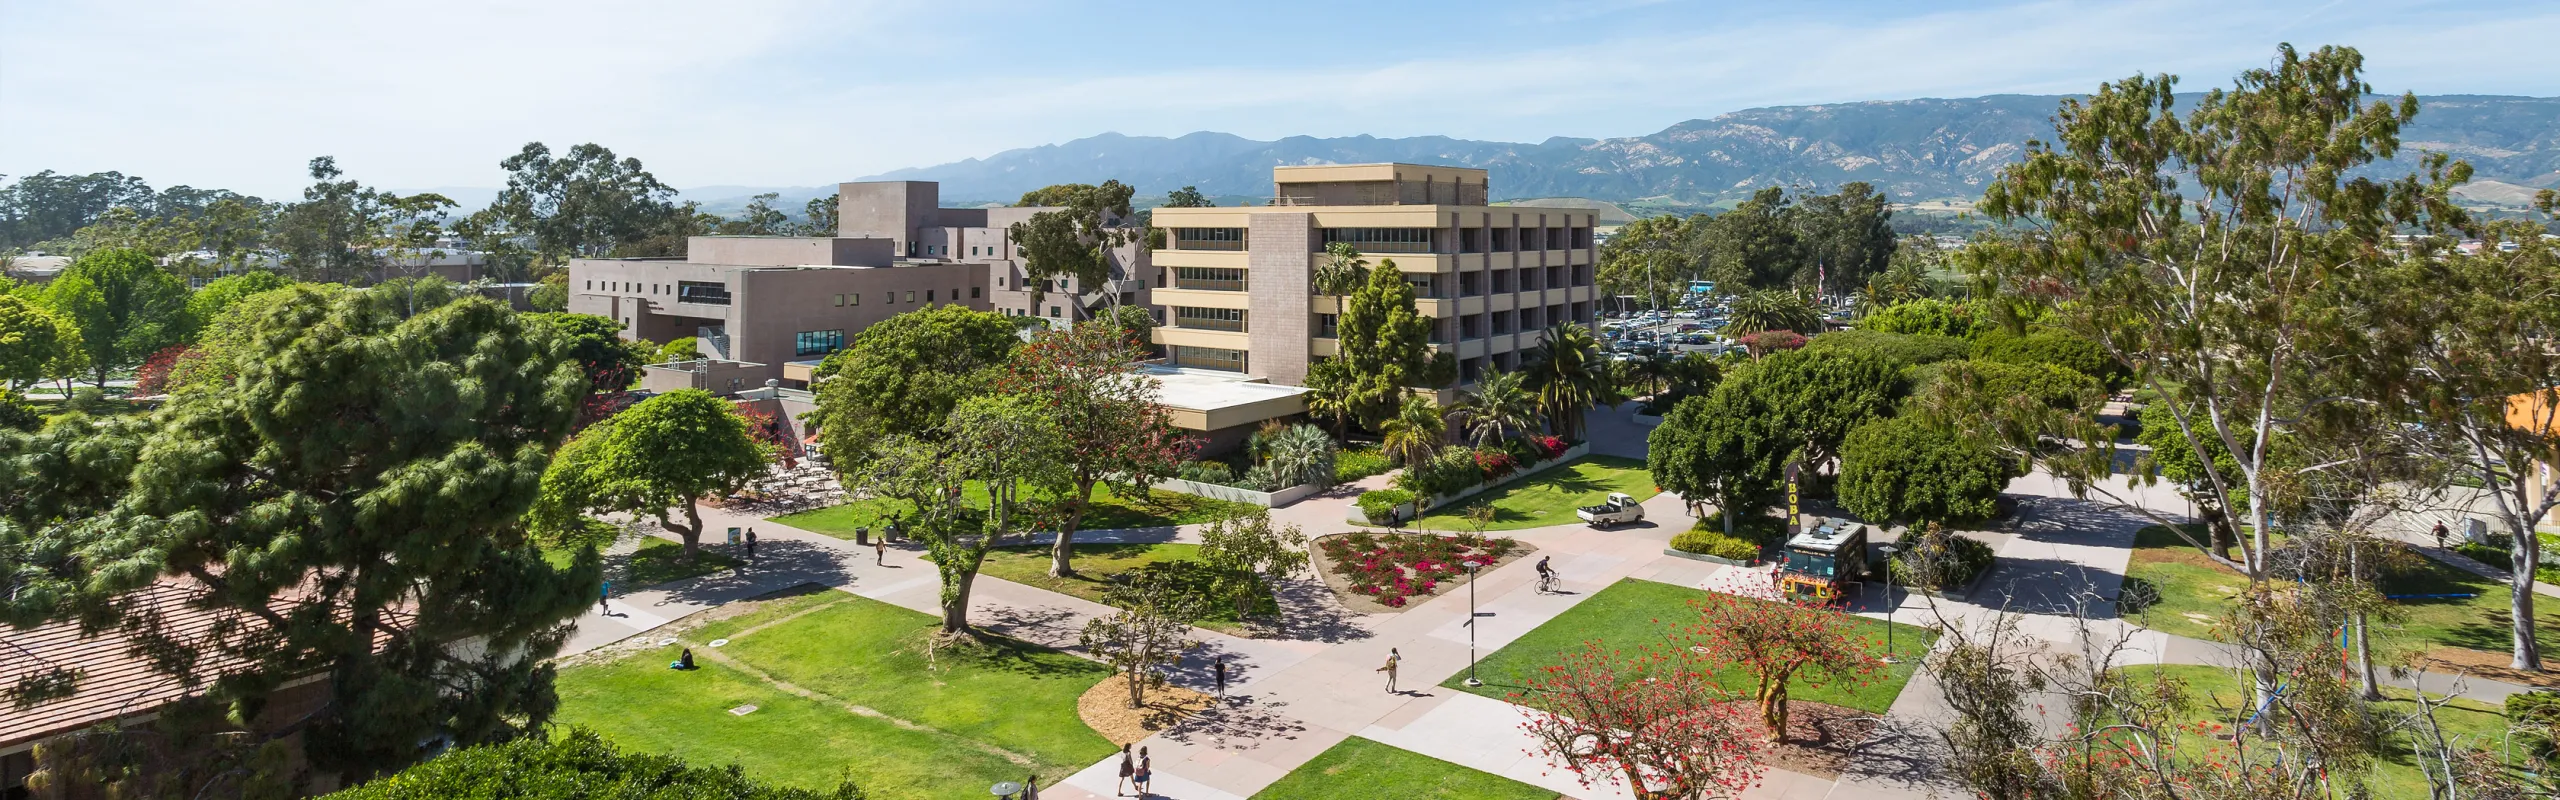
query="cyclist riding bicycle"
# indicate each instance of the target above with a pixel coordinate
(1546, 574)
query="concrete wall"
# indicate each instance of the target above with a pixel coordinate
(886, 209)
(716, 377)
(789, 251)
(1281, 264)
(777, 304)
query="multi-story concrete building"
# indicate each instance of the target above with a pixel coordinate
(769, 307)
(1235, 290)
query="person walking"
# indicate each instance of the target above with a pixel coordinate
(2440, 534)
(603, 592)
(880, 549)
(751, 544)
(1393, 658)
(1128, 769)
(1220, 670)
(1146, 777)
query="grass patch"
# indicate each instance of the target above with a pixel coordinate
(640, 704)
(1159, 508)
(2192, 592)
(1361, 768)
(1550, 497)
(1098, 565)
(852, 652)
(2220, 695)
(657, 561)
(1632, 614)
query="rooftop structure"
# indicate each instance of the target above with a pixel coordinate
(1223, 407)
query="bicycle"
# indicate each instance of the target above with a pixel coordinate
(1547, 583)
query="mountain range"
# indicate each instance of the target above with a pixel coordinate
(1925, 152)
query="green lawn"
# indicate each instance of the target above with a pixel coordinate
(1098, 564)
(2193, 592)
(1361, 768)
(1550, 497)
(849, 651)
(657, 561)
(1160, 508)
(2222, 696)
(1632, 614)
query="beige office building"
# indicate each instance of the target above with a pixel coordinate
(1234, 283)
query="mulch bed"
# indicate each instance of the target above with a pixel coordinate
(1344, 579)
(1105, 709)
(1821, 738)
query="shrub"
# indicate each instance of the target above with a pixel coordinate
(1206, 472)
(1766, 531)
(1552, 447)
(1352, 465)
(1903, 349)
(1261, 478)
(1712, 541)
(1924, 316)
(579, 764)
(1956, 560)
(17, 414)
(1495, 466)
(1900, 468)
(1379, 505)
(2060, 348)
(1455, 468)
(2535, 717)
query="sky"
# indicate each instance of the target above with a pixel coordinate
(241, 94)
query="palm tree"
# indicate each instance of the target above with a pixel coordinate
(1500, 406)
(1566, 373)
(1329, 395)
(1415, 433)
(1773, 310)
(1343, 270)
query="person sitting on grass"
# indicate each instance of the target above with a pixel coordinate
(683, 661)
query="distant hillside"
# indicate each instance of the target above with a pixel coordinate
(1915, 150)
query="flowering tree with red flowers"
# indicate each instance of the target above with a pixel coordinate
(1761, 343)
(1776, 641)
(152, 377)
(1652, 719)
(1086, 379)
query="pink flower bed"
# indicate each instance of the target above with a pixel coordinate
(1394, 569)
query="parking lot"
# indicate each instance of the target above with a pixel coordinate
(1691, 329)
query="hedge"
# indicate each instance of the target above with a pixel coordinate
(1379, 505)
(1712, 541)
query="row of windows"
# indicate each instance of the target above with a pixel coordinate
(1382, 240)
(1215, 319)
(810, 343)
(1209, 239)
(1217, 358)
(1216, 279)
(891, 298)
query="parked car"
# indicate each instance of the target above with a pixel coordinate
(1620, 509)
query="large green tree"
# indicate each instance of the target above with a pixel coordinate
(1384, 349)
(1773, 310)
(1721, 449)
(208, 303)
(346, 232)
(1652, 259)
(658, 458)
(611, 362)
(1754, 246)
(585, 203)
(1075, 236)
(1905, 470)
(356, 498)
(125, 306)
(1816, 397)
(903, 375)
(1005, 443)
(1847, 236)
(33, 340)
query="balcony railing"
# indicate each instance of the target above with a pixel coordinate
(1208, 285)
(717, 337)
(1204, 324)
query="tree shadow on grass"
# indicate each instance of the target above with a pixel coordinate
(778, 563)
(996, 652)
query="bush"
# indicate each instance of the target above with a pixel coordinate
(1261, 478)
(1903, 349)
(1925, 316)
(2060, 348)
(87, 400)
(1956, 560)
(1455, 468)
(1765, 531)
(16, 414)
(580, 765)
(1379, 505)
(1352, 465)
(1496, 465)
(1713, 542)
(1550, 447)
(1899, 468)
(1216, 472)
(2535, 717)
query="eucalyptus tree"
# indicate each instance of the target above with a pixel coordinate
(1075, 236)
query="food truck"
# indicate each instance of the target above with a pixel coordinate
(1824, 561)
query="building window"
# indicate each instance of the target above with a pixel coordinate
(839, 301)
(1209, 239)
(1214, 319)
(714, 294)
(928, 295)
(1470, 240)
(1324, 325)
(591, 286)
(1053, 311)
(973, 293)
(1501, 240)
(1209, 279)
(853, 299)
(1502, 281)
(1217, 358)
(1382, 240)
(810, 343)
(911, 296)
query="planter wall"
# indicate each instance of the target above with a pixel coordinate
(1704, 557)
(1404, 513)
(1233, 494)
(1428, 504)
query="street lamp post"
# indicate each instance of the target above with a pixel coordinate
(1471, 625)
(1889, 604)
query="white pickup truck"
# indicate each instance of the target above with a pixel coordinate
(1619, 510)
